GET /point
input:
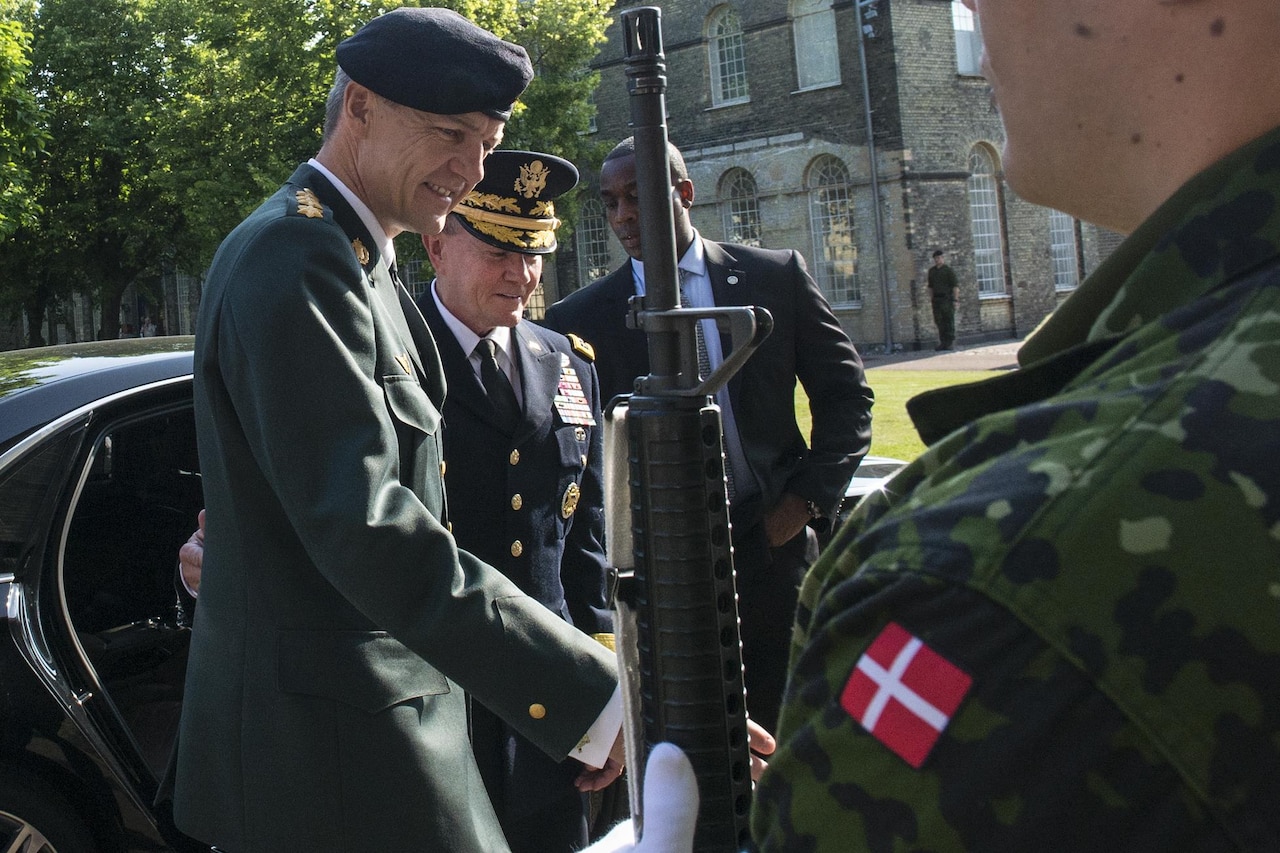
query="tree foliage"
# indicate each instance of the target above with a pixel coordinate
(169, 120)
(21, 135)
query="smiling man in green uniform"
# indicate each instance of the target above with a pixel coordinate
(338, 623)
(1059, 629)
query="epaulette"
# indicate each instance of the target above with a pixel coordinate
(581, 347)
(309, 204)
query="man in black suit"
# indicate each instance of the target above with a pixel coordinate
(780, 486)
(525, 486)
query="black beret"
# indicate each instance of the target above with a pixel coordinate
(511, 207)
(436, 61)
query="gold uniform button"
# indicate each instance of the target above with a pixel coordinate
(449, 526)
(516, 501)
(580, 434)
(515, 457)
(442, 467)
(517, 548)
(584, 460)
(537, 711)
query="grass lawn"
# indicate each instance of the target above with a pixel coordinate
(891, 431)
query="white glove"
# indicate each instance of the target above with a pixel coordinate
(670, 808)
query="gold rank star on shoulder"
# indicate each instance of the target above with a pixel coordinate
(309, 204)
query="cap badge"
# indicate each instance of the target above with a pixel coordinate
(362, 254)
(309, 204)
(533, 179)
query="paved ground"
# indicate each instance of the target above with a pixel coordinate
(1000, 355)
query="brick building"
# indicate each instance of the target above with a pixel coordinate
(768, 103)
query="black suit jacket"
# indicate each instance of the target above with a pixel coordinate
(807, 344)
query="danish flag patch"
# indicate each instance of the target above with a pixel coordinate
(904, 693)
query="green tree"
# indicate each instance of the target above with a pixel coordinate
(21, 135)
(170, 119)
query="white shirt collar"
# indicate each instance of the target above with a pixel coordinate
(694, 261)
(385, 243)
(468, 339)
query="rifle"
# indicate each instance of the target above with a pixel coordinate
(681, 601)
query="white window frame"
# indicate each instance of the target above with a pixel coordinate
(985, 223)
(834, 227)
(1064, 249)
(592, 236)
(740, 207)
(727, 58)
(968, 40)
(817, 50)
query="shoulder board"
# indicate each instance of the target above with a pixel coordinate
(581, 347)
(309, 204)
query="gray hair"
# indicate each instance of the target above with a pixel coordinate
(333, 104)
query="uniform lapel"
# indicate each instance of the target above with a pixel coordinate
(464, 388)
(539, 367)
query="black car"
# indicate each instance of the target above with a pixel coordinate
(99, 487)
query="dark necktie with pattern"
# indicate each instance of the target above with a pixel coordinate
(496, 384)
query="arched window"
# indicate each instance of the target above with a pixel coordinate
(968, 39)
(740, 207)
(727, 57)
(984, 218)
(817, 53)
(593, 242)
(835, 251)
(1064, 245)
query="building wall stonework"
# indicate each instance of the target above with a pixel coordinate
(926, 120)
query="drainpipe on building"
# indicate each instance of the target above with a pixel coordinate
(875, 172)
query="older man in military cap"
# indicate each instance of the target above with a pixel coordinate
(523, 446)
(338, 622)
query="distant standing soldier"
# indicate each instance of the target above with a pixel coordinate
(946, 293)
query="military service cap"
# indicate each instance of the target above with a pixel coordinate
(436, 61)
(512, 208)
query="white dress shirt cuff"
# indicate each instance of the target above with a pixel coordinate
(594, 748)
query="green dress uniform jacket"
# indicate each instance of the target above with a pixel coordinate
(337, 619)
(1095, 546)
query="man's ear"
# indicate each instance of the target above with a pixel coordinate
(434, 246)
(358, 105)
(684, 189)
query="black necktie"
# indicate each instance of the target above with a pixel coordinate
(496, 384)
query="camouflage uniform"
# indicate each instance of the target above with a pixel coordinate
(1098, 548)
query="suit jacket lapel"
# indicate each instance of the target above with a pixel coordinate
(634, 342)
(722, 266)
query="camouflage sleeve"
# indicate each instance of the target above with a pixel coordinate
(1030, 745)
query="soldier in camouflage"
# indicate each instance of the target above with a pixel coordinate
(1059, 628)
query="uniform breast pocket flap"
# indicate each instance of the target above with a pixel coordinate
(410, 404)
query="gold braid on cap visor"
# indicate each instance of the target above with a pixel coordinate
(517, 230)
